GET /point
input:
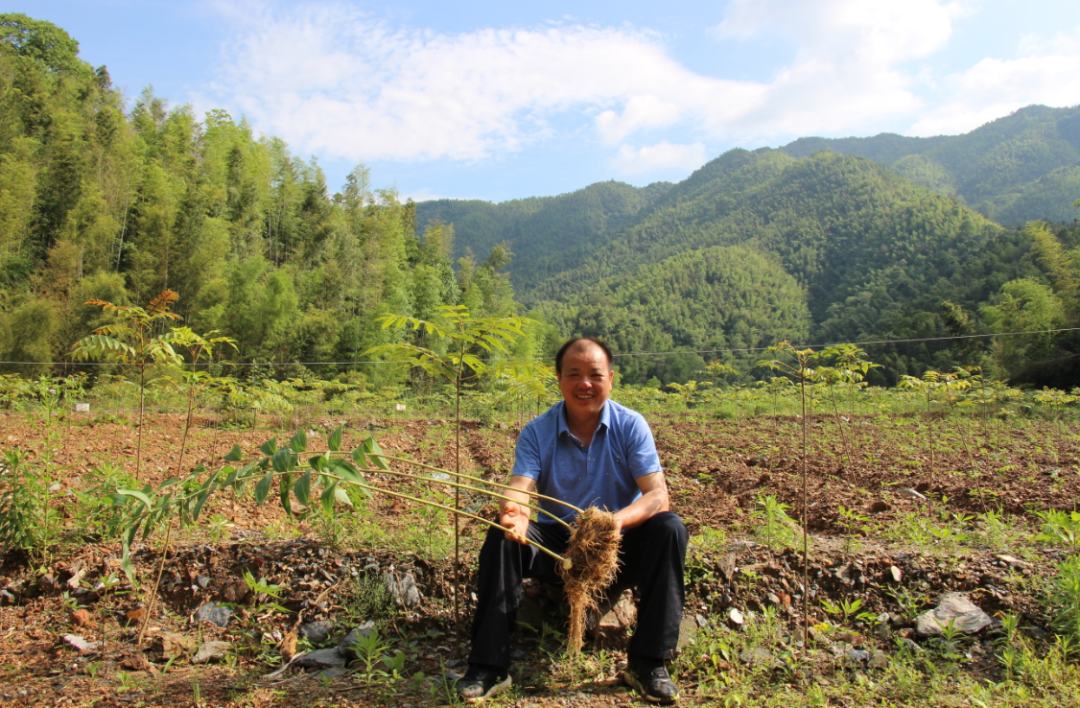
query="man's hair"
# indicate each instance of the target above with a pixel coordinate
(576, 342)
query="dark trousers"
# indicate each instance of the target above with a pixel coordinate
(652, 558)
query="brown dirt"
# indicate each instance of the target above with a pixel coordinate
(717, 470)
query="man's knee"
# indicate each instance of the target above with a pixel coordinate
(669, 524)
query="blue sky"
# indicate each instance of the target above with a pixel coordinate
(499, 100)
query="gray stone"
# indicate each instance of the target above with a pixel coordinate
(622, 614)
(956, 608)
(210, 612)
(203, 581)
(759, 656)
(316, 632)
(210, 650)
(856, 658)
(878, 660)
(345, 647)
(321, 659)
(772, 599)
(687, 631)
(79, 644)
(735, 616)
(910, 645)
(331, 673)
(701, 621)
(402, 589)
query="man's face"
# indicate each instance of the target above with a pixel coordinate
(585, 381)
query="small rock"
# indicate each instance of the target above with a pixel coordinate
(402, 589)
(622, 615)
(79, 644)
(820, 637)
(203, 581)
(772, 599)
(701, 621)
(759, 656)
(735, 616)
(321, 659)
(856, 658)
(687, 630)
(878, 660)
(210, 612)
(895, 575)
(316, 632)
(210, 650)
(518, 655)
(236, 592)
(174, 645)
(1013, 561)
(82, 618)
(912, 494)
(345, 646)
(331, 673)
(883, 632)
(953, 607)
(910, 645)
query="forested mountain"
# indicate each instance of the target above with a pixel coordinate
(1023, 167)
(577, 223)
(873, 255)
(99, 202)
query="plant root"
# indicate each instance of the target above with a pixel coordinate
(593, 561)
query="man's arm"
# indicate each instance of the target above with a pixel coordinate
(654, 499)
(513, 515)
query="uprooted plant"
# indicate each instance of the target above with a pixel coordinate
(587, 567)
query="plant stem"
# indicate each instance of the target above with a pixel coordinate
(462, 475)
(473, 489)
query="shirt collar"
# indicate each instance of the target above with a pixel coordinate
(605, 418)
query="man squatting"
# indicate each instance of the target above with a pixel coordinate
(588, 451)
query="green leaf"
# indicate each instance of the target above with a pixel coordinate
(262, 489)
(269, 447)
(230, 475)
(346, 471)
(235, 455)
(283, 460)
(327, 499)
(358, 456)
(319, 463)
(334, 442)
(142, 497)
(375, 452)
(342, 496)
(283, 493)
(199, 501)
(302, 488)
(298, 442)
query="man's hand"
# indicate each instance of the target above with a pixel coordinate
(516, 518)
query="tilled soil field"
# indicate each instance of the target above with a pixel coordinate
(899, 512)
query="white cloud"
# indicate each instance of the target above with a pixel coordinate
(336, 81)
(333, 80)
(1048, 74)
(848, 69)
(662, 156)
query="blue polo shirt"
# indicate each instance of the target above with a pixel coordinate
(602, 474)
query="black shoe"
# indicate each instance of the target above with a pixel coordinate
(481, 682)
(651, 679)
